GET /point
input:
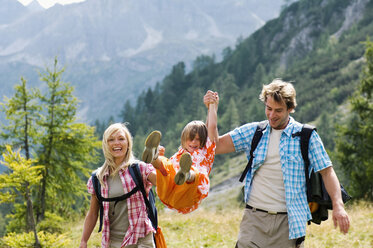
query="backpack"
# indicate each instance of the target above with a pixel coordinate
(150, 203)
(318, 198)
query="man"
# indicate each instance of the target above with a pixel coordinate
(277, 211)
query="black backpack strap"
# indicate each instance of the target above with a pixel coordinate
(321, 195)
(150, 205)
(304, 143)
(97, 188)
(254, 143)
(101, 199)
(305, 135)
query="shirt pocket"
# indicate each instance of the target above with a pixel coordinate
(294, 166)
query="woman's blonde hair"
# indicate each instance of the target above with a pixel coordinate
(109, 164)
(281, 91)
(190, 131)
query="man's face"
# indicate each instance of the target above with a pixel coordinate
(277, 113)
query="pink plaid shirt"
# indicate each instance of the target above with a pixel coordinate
(139, 223)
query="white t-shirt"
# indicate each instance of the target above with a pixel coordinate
(268, 190)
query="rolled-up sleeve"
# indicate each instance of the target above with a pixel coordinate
(90, 186)
(319, 158)
(145, 170)
(242, 136)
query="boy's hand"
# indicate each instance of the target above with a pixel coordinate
(161, 150)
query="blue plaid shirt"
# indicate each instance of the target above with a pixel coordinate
(292, 166)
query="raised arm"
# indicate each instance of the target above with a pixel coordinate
(212, 120)
(224, 144)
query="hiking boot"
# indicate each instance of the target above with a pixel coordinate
(151, 147)
(183, 174)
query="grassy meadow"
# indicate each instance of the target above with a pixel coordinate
(218, 228)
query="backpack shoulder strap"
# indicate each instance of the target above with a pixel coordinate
(305, 136)
(254, 143)
(96, 185)
(97, 189)
(152, 211)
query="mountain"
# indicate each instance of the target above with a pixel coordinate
(113, 50)
(34, 6)
(318, 45)
(13, 11)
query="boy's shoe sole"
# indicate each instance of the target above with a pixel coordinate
(185, 164)
(151, 146)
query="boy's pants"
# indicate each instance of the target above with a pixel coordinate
(180, 197)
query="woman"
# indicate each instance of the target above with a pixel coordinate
(125, 223)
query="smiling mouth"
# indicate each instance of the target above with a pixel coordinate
(117, 149)
(193, 148)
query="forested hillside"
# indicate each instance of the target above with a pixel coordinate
(316, 44)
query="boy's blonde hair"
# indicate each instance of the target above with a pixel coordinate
(109, 164)
(281, 91)
(190, 131)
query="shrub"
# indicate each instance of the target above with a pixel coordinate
(52, 223)
(23, 240)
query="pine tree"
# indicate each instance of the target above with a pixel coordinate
(230, 118)
(355, 142)
(66, 146)
(21, 112)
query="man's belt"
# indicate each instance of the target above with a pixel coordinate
(265, 211)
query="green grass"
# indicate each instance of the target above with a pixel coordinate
(218, 228)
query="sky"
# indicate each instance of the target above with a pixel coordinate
(49, 3)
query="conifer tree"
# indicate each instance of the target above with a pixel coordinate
(67, 147)
(355, 142)
(230, 119)
(21, 112)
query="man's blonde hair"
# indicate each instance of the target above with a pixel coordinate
(281, 91)
(190, 131)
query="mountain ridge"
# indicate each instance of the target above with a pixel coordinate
(92, 37)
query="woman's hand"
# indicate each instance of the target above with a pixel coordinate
(83, 244)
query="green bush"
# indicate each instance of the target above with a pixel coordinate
(52, 223)
(23, 240)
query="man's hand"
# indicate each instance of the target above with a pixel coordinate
(340, 218)
(210, 98)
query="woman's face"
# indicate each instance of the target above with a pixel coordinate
(118, 146)
(193, 145)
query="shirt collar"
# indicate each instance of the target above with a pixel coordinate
(288, 129)
(106, 173)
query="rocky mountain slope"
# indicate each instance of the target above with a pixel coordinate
(111, 46)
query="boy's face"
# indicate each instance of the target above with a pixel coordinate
(193, 145)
